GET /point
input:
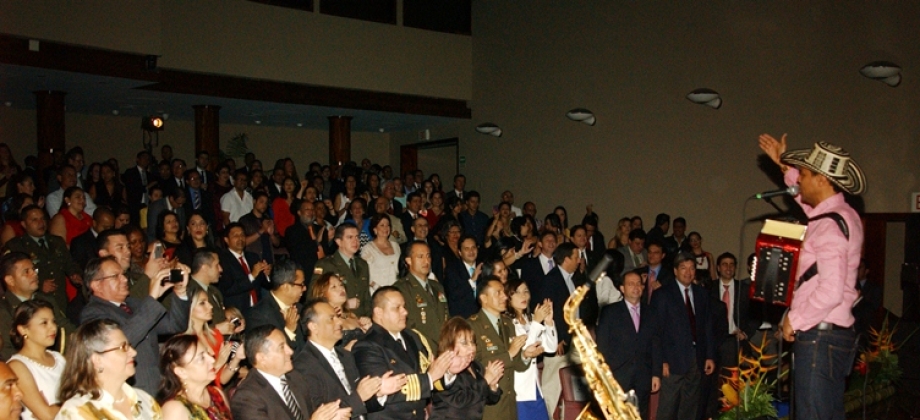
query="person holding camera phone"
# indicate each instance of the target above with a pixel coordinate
(142, 320)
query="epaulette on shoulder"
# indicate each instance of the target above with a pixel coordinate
(473, 317)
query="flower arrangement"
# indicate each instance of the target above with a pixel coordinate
(746, 393)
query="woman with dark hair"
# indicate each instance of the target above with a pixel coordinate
(329, 287)
(257, 181)
(188, 369)
(197, 235)
(12, 225)
(218, 187)
(563, 220)
(137, 243)
(39, 369)
(705, 266)
(282, 204)
(199, 325)
(168, 233)
(435, 209)
(381, 254)
(71, 221)
(536, 326)
(552, 223)
(468, 386)
(356, 215)
(435, 180)
(498, 268)
(8, 168)
(93, 173)
(99, 362)
(344, 198)
(108, 191)
(371, 187)
(450, 234)
(500, 226)
(455, 206)
(426, 192)
(289, 169)
(122, 216)
(24, 184)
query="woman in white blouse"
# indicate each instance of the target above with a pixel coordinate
(537, 326)
(381, 254)
(99, 362)
(39, 369)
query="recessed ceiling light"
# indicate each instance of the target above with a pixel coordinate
(300, 124)
(258, 122)
(380, 130)
(114, 112)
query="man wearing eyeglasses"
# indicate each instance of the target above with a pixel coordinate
(280, 309)
(142, 320)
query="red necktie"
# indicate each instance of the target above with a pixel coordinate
(690, 313)
(652, 278)
(252, 293)
(125, 308)
(726, 298)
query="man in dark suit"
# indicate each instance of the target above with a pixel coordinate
(205, 275)
(418, 232)
(136, 180)
(53, 261)
(678, 240)
(557, 286)
(595, 243)
(244, 275)
(474, 221)
(732, 327)
(661, 228)
(461, 276)
(330, 372)
(172, 201)
(682, 310)
(21, 281)
(458, 191)
(390, 347)
(868, 306)
(279, 308)
(352, 269)
(654, 273)
(497, 341)
(176, 182)
(626, 336)
(533, 270)
(389, 192)
(413, 206)
(142, 320)
(84, 247)
(197, 197)
(273, 390)
(276, 184)
(303, 237)
(426, 301)
(202, 162)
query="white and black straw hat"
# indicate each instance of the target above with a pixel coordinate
(831, 161)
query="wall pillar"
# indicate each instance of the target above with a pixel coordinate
(207, 136)
(339, 140)
(49, 110)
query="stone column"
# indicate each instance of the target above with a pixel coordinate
(339, 139)
(207, 136)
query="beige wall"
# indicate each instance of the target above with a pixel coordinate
(780, 67)
(103, 137)
(246, 39)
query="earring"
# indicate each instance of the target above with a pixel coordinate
(99, 370)
(25, 336)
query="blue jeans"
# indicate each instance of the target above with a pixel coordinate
(823, 360)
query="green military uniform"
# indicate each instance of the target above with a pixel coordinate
(8, 305)
(357, 283)
(54, 262)
(490, 346)
(138, 284)
(427, 309)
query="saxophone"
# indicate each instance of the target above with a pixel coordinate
(614, 402)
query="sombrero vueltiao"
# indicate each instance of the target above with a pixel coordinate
(831, 161)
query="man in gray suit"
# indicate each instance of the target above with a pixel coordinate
(142, 320)
(634, 254)
(174, 202)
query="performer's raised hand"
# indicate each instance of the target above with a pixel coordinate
(772, 147)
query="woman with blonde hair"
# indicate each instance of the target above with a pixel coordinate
(99, 362)
(199, 325)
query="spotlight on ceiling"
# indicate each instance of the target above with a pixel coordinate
(883, 71)
(581, 115)
(490, 129)
(706, 97)
(152, 123)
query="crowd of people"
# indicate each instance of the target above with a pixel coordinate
(213, 291)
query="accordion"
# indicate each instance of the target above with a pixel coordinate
(776, 259)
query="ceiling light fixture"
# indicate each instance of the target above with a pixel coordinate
(581, 115)
(704, 96)
(886, 72)
(490, 129)
(152, 123)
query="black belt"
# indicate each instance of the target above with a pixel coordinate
(827, 326)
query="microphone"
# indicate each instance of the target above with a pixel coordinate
(793, 191)
(600, 268)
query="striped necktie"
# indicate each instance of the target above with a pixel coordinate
(290, 401)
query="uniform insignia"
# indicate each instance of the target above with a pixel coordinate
(473, 318)
(420, 302)
(392, 361)
(318, 271)
(442, 298)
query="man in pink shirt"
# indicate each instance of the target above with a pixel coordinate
(820, 318)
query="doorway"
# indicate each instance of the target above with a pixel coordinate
(440, 157)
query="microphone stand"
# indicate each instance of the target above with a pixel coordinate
(769, 200)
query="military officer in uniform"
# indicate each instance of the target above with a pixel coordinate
(49, 254)
(353, 270)
(389, 348)
(495, 340)
(426, 302)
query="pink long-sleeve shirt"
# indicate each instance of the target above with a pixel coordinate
(829, 295)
